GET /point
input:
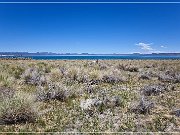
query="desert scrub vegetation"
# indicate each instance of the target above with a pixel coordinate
(90, 95)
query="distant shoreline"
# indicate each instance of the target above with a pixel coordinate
(19, 54)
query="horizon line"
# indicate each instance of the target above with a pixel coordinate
(82, 52)
(40, 2)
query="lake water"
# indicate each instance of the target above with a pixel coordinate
(104, 57)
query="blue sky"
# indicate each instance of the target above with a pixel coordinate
(92, 28)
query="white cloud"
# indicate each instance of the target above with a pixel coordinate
(145, 46)
(162, 46)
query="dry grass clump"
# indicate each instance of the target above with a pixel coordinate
(17, 71)
(20, 108)
(128, 67)
(113, 77)
(103, 66)
(33, 76)
(53, 92)
(6, 93)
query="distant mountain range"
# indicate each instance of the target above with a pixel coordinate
(51, 53)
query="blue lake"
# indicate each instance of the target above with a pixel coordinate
(104, 57)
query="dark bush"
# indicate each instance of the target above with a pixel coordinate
(143, 107)
(112, 79)
(153, 90)
(166, 78)
(176, 112)
(90, 89)
(177, 77)
(94, 82)
(144, 76)
(22, 116)
(131, 68)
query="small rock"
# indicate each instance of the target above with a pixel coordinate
(87, 104)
